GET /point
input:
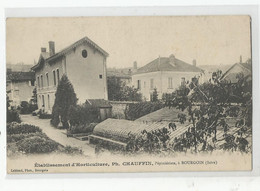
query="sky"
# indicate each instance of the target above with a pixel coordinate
(211, 40)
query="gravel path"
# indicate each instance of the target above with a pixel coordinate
(58, 135)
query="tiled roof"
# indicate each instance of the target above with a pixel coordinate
(20, 76)
(165, 64)
(118, 74)
(47, 57)
(79, 42)
(101, 103)
(232, 77)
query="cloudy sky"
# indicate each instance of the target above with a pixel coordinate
(211, 40)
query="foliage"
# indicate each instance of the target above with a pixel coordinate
(18, 137)
(21, 128)
(43, 115)
(154, 96)
(27, 108)
(29, 138)
(83, 114)
(214, 104)
(72, 150)
(37, 144)
(150, 142)
(81, 128)
(208, 105)
(34, 97)
(118, 91)
(12, 114)
(134, 111)
(65, 100)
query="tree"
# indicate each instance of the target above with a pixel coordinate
(34, 96)
(11, 113)
(118, 91)
(65, 100)
(154, 96)
(114, 88)
(207, 106)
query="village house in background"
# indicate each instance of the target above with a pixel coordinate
(84, 62)
(123, 74)
(19, 86)
(18, 67)
(245, 68)
(164, 74)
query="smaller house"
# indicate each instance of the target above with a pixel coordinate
(105, 108)
(245, 68)
(165, 74)
(19, 87)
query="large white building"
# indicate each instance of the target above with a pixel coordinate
(165, 74)
(84, 62)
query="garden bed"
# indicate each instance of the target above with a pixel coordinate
(24, 138)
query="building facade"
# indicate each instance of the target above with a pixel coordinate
(245, 68)
(164, 74)
(84, 62)
(19, 87)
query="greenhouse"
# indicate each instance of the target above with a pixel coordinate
(115, 132)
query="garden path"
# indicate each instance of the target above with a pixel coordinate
(58, 135)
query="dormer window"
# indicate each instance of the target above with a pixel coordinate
(84, 53)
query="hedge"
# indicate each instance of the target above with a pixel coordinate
(37, 144)
(23, 128)
(88, 128)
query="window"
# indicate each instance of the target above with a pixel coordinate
(41, 81)
(170, 82)
(38, 81)
(58, 76)
(144, 84)
(100, 76)
(47, 79)
(43, 104)
(49, 102)
(84, 53)
(138, 84)
(54, 78)
(151, 84)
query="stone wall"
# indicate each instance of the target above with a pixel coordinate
(118, 108)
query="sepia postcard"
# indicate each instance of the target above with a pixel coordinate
(128, 94)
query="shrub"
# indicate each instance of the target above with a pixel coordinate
(136, 110)
(11, 113)
(72, 150)
(26, 108)
(65, 99)
(83, 128)
(13, 116)
(23, 128)
(18, 137)
(43, 115)
(84, 114)
(37, 144)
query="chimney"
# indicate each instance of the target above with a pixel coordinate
(194, 63)
(172, 59)
(51, 48)
(135, 65)
(43, 49)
